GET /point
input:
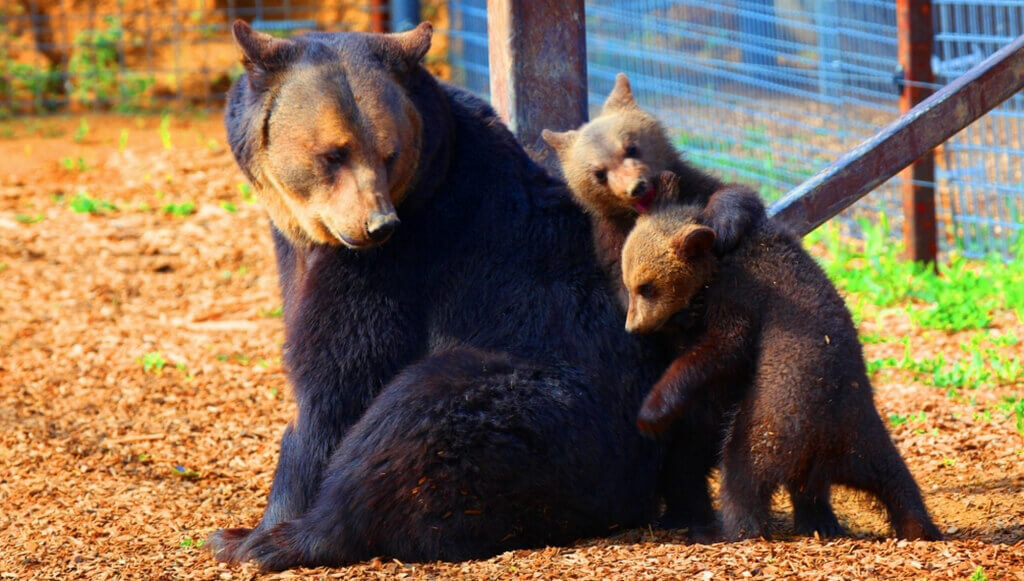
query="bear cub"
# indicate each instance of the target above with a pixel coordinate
(613, 167)
(776, 342)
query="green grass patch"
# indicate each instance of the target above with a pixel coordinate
(83, 203)
(959, 295)
(180, 209)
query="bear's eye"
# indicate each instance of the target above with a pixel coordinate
(646, 290)
(335, 157)
(601, 176)
(632, 151)
(389, 161)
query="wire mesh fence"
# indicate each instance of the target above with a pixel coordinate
(131, 55)
(768, 92)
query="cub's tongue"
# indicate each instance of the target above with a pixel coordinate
(644, 202)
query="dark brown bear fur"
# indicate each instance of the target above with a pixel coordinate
(780, 348)
(462, 381)
(616, 165)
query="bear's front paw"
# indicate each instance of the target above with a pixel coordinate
(658, 411)
(650, 424)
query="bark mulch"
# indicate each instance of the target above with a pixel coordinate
(142, 395)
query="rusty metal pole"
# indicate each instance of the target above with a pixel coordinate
(880, 157)
(538, 64)
(916, 36)
(380, 18)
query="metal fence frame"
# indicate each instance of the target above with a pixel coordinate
(768, 92)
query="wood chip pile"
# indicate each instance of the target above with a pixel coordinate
(142, 395)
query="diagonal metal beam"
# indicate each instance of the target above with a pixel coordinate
(931, 122)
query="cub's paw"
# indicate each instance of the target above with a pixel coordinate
(826, 527)
(660, 408)
(731, 212)
(652, 421)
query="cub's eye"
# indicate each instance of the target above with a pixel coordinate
(389, 161)
(601, 176)
(646, 290)
(335, 157)
(632, 151)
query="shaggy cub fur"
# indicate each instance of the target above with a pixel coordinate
(777, 346)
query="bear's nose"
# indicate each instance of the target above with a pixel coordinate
(638, 189)
(380, 226)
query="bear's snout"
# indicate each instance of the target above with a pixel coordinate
(639, 188)
(380, 226)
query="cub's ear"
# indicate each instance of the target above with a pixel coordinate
(262, 54)
(621, 96)
(693, 243)
(402, 51)
(559, 140)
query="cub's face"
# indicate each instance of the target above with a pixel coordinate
(663, 270)
(612, 164)
(334, 139)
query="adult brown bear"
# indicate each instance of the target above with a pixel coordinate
(463, 380)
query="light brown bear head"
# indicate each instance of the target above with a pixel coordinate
(612, 163)
(323, 127)
(666, 259)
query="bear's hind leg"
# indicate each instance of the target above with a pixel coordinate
(746, 488)
(874, 465)
(465, 454)
(812, 507)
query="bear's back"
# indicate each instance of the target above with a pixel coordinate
(804, 328)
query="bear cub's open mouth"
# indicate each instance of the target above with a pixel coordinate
(644, 202)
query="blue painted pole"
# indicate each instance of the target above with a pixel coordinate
(405, 15)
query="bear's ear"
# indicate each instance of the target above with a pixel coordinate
(263, 55)
(559, 141)
(402, 51)
(693, 243)
(621, 96)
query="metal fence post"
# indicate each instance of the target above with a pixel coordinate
(538, 64)
(405, 15)
(916, 37)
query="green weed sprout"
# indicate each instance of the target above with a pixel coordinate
(153, 362)
(83, 203)
(180, 209)
(165, 131)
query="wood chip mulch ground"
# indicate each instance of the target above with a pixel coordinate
(142, 395)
